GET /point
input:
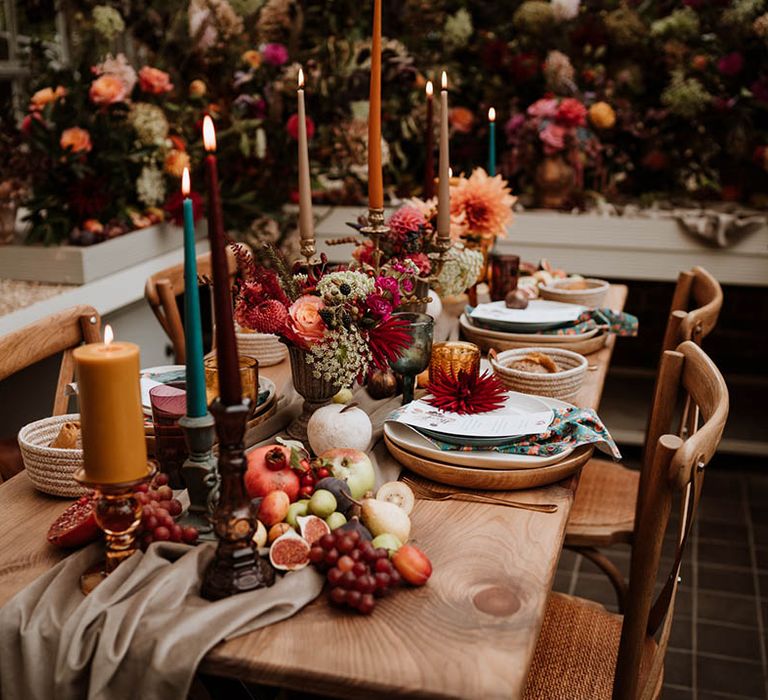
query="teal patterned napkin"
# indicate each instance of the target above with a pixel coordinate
(571, 427)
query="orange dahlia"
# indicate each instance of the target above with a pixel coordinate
(482, 203)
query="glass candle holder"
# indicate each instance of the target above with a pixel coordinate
(249, 379)
(453, 357)
(504, 273)
(415, 358)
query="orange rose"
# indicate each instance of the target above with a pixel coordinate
(197, 88)
(93, 225)
(75, 139)
(107, 90)
(154, 81)
(46, 96)
(252, 58)
(175, 162)
(305, 314)
(461, 119)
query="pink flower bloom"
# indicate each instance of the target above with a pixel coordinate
(731, 64)
(274, 54)
(421, 260)
(553, 136)
(154, 81)
(292, 127)
(379, 307)
(571, 112)
(514, 123)
(305, 315)
(120, 68)
(389, 287)
(545, 108)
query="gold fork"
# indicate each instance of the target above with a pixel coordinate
(426, 493)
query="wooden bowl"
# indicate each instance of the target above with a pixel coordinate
(564, 384)
(592, 295)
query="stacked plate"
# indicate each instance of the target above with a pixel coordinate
(495, 326)
(482, 468)
(265, 347)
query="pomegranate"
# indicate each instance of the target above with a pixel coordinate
(76, 526)
(269, 469)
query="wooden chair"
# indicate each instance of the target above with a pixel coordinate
(161, 291)
(606, 503)
(583, 650)
(59, 333)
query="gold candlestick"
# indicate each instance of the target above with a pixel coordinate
(375, 229)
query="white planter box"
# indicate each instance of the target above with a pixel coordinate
(616, 247)
(79, 265)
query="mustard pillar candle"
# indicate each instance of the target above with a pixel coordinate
(111, 419)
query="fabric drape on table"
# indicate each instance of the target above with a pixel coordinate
(140, 634)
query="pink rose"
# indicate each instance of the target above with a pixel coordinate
(305, 315)
(274, 54)
(107, 90)
(154, 81)
(571, 112)
(553, 136)
(544, 108)
(76, 139)
(379, 307)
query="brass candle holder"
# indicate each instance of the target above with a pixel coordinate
(118, 514)
(375, 229)
(308, 250)
(237, 566)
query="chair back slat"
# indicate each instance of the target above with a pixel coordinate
(58, 333)
(163, 287)
(695, 308)
(674, 467)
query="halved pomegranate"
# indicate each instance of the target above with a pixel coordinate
(76, 526)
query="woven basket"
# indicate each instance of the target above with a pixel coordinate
(51, 469)
(592, 297)
(266, 348)
(559, 385)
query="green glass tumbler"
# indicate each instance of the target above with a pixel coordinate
(414, 359)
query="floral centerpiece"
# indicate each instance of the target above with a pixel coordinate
(338, 324)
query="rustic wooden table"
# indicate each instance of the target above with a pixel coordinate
(469, 633)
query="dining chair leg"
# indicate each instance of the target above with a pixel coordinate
(608, 568)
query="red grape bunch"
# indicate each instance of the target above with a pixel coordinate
(356, 571)
(159, 508)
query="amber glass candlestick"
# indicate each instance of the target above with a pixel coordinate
(237, 566)
(118, 514)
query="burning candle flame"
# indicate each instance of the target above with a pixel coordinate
(109, 336)
(209, 134)
(429, 88)
(185, 188)
(444, 80)
(492, 114)
(450, 173)
(301, 79)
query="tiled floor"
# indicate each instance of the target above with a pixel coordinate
(718, 641)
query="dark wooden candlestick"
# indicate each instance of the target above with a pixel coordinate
(237, 566)
(230, 389)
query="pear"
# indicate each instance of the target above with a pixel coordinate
(382, 517)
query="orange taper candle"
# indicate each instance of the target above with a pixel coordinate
(375, 175)
(111, 419)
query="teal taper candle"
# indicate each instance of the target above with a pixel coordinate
(491, 141)
(193, 332)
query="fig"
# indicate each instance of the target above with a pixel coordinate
(381, 384)
(289, 552)
(268, 472)
(398, 493)
(76, 526)
(516, 299)
(412, 564)
(312, 528)
(340, 491)
(354, 525)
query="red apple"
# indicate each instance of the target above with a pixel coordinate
(262, 478)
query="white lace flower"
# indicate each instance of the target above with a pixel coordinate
(150, 186)
(565, 9)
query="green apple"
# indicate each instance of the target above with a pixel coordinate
(354, 467)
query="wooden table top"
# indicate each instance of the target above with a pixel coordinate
(469, 633)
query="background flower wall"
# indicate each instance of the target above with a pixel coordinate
(656, 100)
